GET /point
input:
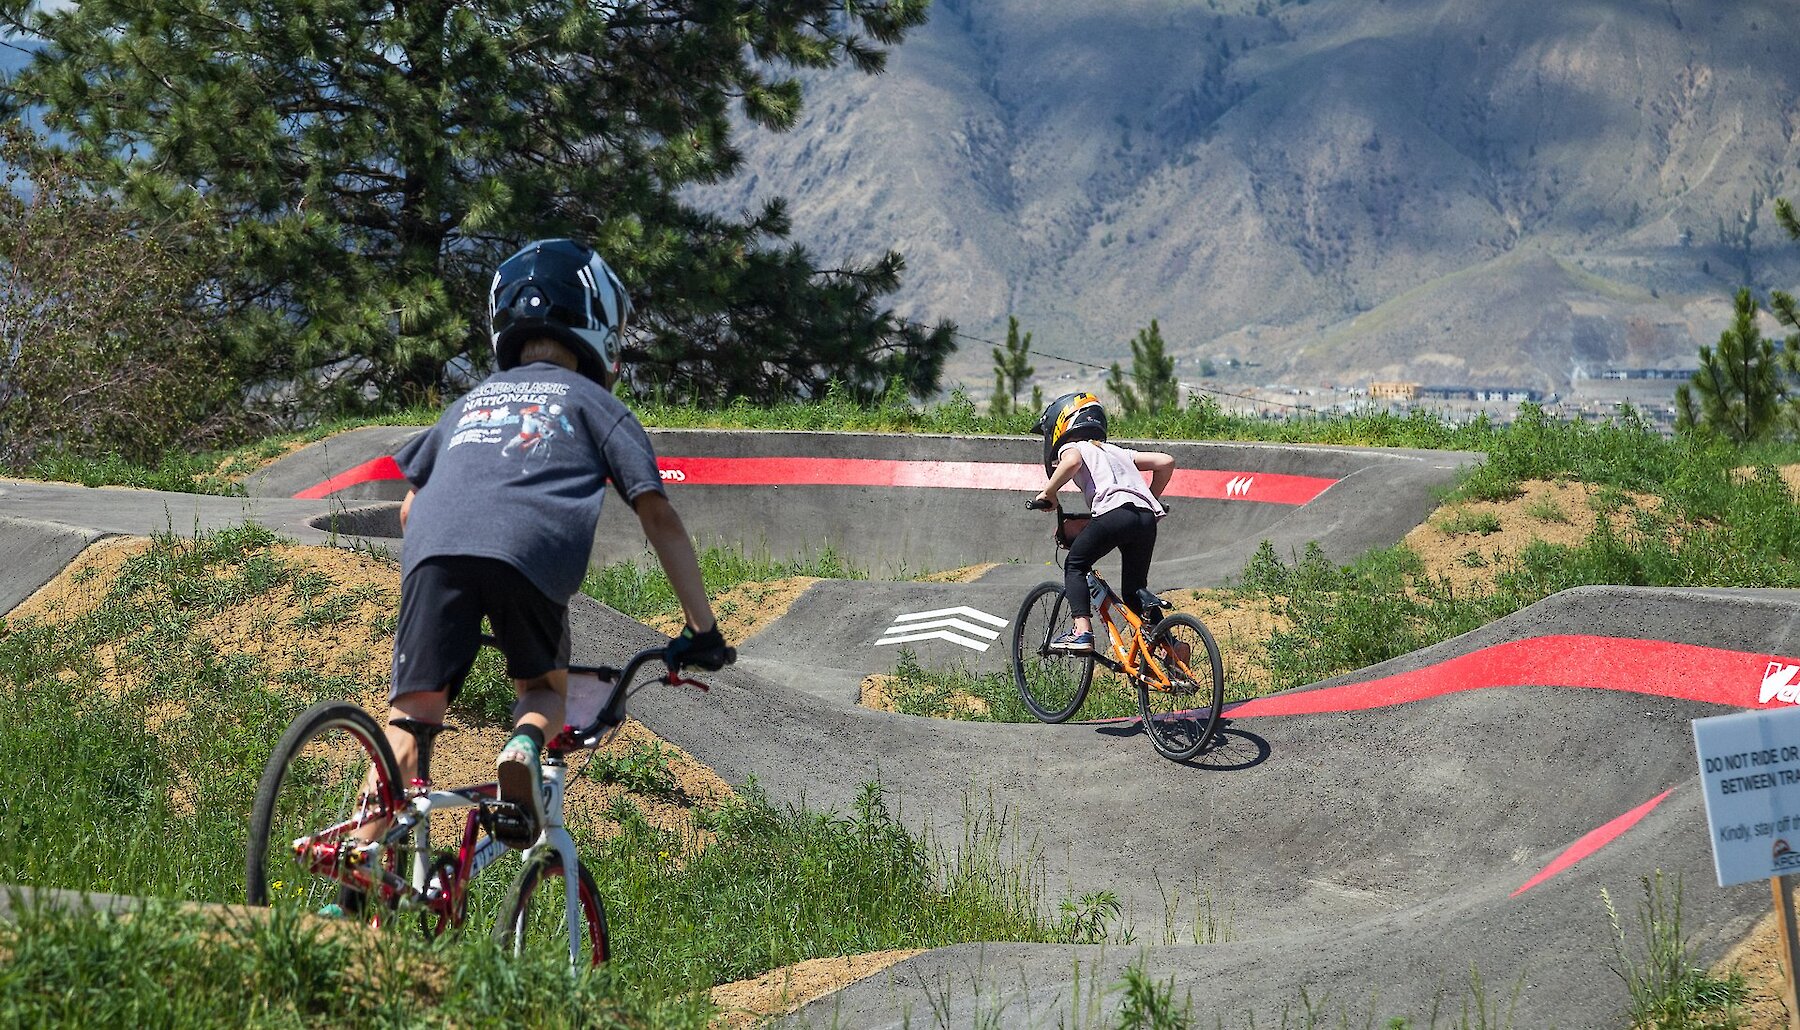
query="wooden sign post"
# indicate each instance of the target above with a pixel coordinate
(1750, 770)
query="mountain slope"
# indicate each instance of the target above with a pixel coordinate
(1256, 181)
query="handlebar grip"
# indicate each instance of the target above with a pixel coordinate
(1039, 505)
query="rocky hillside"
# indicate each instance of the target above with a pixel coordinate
(1476, 191)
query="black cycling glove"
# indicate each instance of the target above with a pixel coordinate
(699, 650)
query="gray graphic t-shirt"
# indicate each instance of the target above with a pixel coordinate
(516, 470)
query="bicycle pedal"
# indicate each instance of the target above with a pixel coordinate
(506, 823)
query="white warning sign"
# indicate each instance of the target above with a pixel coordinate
(1750, 768)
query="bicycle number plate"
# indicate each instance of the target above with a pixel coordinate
(588, 697)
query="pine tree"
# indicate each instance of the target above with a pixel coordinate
(1740, 390)
(1122, 391)
(364, 164)
(1011, 368)
(1153, 387)
(1782, 304)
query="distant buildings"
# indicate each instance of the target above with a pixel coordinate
(1407, 393)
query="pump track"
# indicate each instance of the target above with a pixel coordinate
(1424, 835)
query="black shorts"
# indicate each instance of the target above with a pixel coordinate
(442, 601)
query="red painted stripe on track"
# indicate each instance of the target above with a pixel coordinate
(368, 472)
(1266, 487)
(1683, 671)
(969, 475)
(1593, 841)
(1686, 672)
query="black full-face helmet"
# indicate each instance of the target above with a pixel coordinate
(562, 290)
(1071, 417)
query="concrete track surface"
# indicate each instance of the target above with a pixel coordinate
(1369, 840)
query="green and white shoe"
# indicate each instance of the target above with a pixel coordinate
(521, 779)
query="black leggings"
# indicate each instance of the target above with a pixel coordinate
(1130, 529)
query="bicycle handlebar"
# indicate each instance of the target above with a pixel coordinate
(1036, 504)
(613, 712)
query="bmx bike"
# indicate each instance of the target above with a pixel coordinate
(1170, 660)
(333, 774)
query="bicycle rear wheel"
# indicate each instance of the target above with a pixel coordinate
(311, 800)
(533, 920)
(1182, 716)
(1053, 684)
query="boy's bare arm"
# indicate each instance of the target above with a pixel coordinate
(406, 508)
(1066, 467)
(1161, 467)
(668, 537)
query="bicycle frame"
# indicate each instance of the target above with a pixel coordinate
(1124, 659)
(418, 892)
(351, 854)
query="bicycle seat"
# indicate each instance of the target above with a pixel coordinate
(1151, 605)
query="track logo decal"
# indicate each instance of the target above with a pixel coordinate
(1239, 486)
(1778, 684)
(673, 475)
(962, 625)
(1784, 856)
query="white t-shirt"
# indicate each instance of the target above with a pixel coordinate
(1109, 478)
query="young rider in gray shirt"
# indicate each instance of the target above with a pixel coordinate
(507, 488)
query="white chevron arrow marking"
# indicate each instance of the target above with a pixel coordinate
(973, 613)
(957, 625)
(967, 627)
(936, 634)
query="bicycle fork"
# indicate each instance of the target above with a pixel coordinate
(555, 835)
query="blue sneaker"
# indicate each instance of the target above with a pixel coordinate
(331, 910)
(1074, 643)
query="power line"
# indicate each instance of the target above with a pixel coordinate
(1107, 368)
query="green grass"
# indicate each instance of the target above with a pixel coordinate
(1545, 509)
(210, 472)
(139, 784)
(1459, 521)
(163, 965)
(1668, 990)
(641, 590)
(944, 694)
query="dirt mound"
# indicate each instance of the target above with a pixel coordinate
(746, 1003)
(1468, 543)
(331, 620)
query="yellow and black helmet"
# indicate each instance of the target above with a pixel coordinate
(1071, 417)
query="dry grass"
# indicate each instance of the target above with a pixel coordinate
(1556, 512)
(746, 608)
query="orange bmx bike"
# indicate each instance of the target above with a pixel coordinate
(1170, 660)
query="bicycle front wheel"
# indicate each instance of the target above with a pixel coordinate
(534, 921)
(331, 774)
(1182, 714)
(1053, 684)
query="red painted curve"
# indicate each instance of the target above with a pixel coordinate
(368, 472)
(1737, 679)
(1265, 487)
(1687, 672)
(1683, 671)
(1593, 841)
